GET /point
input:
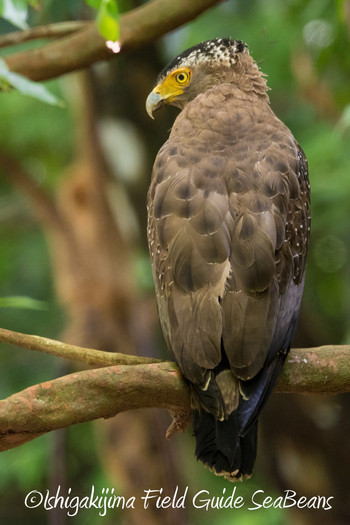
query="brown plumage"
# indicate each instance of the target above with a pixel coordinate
(228, 228)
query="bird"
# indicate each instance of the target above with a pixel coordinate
(228, 227)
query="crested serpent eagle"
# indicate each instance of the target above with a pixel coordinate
(228, 228)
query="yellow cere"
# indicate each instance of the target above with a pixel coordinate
(173, 84)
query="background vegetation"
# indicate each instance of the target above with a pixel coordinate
(94, 287)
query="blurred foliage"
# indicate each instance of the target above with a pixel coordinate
(15, 11)
(303, 47)
(21, 302)
(107, 17)
(10, 80)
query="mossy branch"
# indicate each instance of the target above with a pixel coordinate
(136, 382)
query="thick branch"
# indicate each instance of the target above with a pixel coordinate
(321, 370)
(103, 392)
(88, 395)
(137, 27)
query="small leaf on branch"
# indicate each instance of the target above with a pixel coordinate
(27, 87)
(107, 18)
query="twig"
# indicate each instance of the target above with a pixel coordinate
(322, 370)
(87, 356)
(57, 30)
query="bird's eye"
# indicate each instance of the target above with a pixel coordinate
(182, 78)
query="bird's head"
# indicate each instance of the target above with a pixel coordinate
(201, 67)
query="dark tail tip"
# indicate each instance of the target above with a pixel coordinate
(221, 448)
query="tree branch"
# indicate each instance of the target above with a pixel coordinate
(86, 46)
(319, 370)
(104, 392)
(57, 30)
(88, 395)
(76, 353)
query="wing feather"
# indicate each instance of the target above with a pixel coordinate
(228, 260)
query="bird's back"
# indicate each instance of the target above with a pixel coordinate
(228, 224)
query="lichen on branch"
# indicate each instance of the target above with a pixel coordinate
(88, 395)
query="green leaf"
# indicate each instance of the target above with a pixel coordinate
(15, 11)
(22, 302)
(26, 86)
(112, 8)
(94, 3)
(108, 20)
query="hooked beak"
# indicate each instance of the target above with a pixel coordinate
(153, 102)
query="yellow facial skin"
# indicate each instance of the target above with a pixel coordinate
(171, 87)
(174, 84)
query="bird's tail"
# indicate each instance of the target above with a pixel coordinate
(228, 446)
(220, 446)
